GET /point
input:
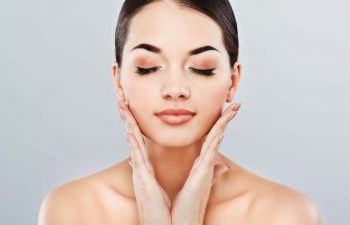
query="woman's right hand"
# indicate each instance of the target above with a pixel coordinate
(153, 203)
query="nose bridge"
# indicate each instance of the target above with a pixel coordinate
(175, 83)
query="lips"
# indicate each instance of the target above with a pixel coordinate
(175, 116)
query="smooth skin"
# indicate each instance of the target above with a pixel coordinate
(114, 196)
(190, 204)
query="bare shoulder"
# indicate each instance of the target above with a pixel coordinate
(60, 205)
(282, 205)
(72, 202)
(293, 207)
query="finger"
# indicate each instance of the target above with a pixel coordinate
(143, 151)
(209, 156)
(131, 126)
(130, 162)
(165, 195)
(130, 122)
(207, 159)
(220, 126)
(195, 164)
(221, 123)
(219, 169)
(138, 163)
(226, 117)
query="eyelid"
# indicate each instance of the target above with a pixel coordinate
(202, 72)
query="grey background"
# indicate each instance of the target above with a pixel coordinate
(59, 118)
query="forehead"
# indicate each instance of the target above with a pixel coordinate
(173, 29)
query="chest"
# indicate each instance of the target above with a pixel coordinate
(126, 213)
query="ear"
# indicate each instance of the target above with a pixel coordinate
(117, 82)
(235, 77)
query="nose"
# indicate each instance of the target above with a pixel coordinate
(175, 93)
(175, 87)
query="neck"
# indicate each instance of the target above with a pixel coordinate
(172, 165)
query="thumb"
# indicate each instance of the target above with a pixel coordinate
(219, 169)
(195, 164)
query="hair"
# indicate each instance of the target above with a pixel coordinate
(219, 10)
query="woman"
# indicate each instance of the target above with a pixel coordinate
(176, 65)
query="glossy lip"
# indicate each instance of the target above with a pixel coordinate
(175, 112)
(175, 116)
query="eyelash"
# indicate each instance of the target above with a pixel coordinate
(143, 71)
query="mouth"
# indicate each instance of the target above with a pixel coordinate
(175, 119)
(175, 116)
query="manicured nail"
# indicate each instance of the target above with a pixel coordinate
(121, 114)
(239, 105)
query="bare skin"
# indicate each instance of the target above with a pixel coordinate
(238, 196)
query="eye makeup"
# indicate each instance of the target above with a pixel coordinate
(145, 66)
(143, 71)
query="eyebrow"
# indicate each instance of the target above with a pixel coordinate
(157, 50)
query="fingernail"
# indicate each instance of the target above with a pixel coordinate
(130, 163)
(225, 169)
(121, 114)
(127, 137)
(239, 105)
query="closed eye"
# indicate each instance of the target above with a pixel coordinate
(142, 71)
(208, 72)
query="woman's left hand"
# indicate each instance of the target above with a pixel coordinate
(190, 204)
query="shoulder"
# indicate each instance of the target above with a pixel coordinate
(282, 205)
(71, 202)
(293, 207)
(59, 205)
(269, 202)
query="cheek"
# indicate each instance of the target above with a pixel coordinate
(211, 104)
(206, 98)
(212, 97)
(141, 101)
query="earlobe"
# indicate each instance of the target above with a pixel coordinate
(229, 97)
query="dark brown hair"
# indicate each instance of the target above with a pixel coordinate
(219, 10)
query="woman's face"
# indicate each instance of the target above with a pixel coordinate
(175, 31)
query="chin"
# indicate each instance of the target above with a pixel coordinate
(175, 141)
(170, 140)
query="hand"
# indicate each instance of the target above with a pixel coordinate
(178, 213)
(190, 204)
(152, 201)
